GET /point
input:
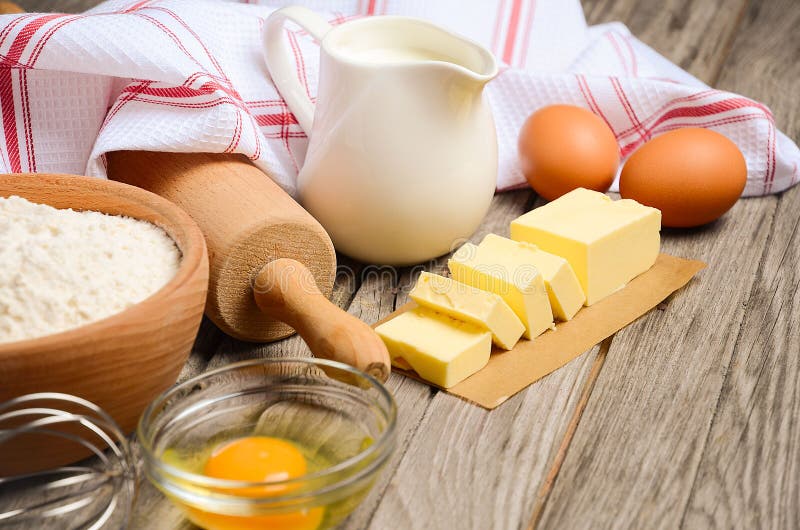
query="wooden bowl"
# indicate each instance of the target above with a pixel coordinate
(123, 361)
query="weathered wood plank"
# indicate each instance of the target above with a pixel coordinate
(57, 6)
(636, 453)
(748, 473)
(382, 289)
(694, 34)
(421, 448)
(472, 468)
(586, 392)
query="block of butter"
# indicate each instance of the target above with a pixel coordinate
(441, 349)
(563, 289)
(509, 275)
(608, 243)
(470, 304)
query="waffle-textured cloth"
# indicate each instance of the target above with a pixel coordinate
(189, 75)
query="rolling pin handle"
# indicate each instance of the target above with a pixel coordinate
(284, 289)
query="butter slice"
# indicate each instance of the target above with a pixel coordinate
(509, 275)
(441, 349)
(608, 243)
(563, 289)
(470, 304)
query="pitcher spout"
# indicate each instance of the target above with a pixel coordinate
(470, 59)
(395, 41)
(480, 75)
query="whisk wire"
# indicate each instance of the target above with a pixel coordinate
(101, 491)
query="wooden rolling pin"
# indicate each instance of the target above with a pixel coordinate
(272, 265)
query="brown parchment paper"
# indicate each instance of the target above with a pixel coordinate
(508, 372)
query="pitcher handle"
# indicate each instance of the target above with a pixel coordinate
(282, 70)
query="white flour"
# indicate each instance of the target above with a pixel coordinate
(60, 269)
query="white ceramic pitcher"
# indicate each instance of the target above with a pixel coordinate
(402, 160)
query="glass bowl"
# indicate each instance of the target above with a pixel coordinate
(341, 419)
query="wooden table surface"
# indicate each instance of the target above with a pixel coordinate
(686, 418)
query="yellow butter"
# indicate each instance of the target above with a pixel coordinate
(441, 349)
(470, 304)
(509, 275)
(563, 289)
(608, 243)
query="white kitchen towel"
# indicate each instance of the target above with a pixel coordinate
(189, 75)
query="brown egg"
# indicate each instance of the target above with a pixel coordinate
(563, 147)
(692, 175)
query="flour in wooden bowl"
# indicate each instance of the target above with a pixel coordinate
(61, 269)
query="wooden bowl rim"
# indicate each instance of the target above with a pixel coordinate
(193, 256)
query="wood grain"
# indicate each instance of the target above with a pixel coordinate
(696, 35)
(586, 393)
(470, 468)
(457, 455)
(640, 439)
(652, 441)
(62, 6)
(381, 291)
(747, 476)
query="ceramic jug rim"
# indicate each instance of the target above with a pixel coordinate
(481, 64)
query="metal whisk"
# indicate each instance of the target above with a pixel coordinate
(95, 493)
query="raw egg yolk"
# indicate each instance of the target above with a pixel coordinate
(258, 459)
